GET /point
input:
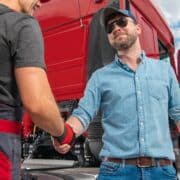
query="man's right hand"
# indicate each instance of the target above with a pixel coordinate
(61, 148)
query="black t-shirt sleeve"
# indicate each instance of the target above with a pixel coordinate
(28, 44)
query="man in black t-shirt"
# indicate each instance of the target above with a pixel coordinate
(23, 82)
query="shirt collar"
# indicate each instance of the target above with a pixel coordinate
(142, 58)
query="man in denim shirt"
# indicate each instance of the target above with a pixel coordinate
(135, 94)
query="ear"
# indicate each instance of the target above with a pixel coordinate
(138, 28)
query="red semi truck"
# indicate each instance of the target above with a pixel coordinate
(75, 46)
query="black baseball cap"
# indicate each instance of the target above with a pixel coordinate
(109, 11)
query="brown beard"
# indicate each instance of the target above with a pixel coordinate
(124, 45)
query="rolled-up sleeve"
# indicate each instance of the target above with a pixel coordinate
(174, 96)
(89, 104)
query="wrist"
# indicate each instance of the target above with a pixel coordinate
(67, 137)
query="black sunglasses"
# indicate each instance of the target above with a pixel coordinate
(121, 22)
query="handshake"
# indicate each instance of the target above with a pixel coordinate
(63, 143)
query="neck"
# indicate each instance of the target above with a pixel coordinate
(131, 56)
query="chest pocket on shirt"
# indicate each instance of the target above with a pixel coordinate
(157, 90)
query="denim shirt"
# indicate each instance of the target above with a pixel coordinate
(135, 106)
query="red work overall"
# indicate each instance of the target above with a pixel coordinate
(10, 149)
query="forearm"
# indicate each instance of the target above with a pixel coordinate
(38, 100)
(46, 115)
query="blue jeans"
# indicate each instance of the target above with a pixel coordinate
(115, 171)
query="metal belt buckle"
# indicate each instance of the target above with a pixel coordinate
(142, 166)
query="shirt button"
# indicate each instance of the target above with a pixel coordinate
(139, 92)
(142, 139)
(140, 107)
(142, 124)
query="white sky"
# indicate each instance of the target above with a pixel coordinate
(171, 10)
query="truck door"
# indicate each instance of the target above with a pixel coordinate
(65, 37)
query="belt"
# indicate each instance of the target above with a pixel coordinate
(7, 126)
(141, 161)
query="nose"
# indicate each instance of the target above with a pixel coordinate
(116, 27)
